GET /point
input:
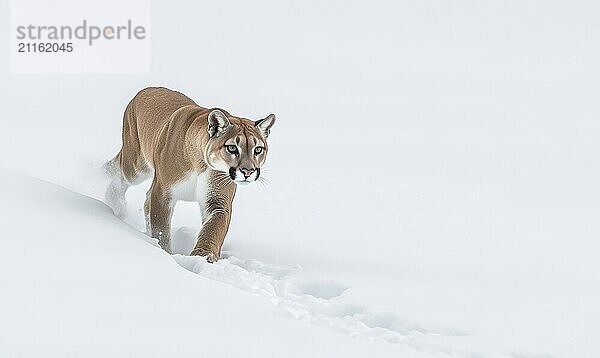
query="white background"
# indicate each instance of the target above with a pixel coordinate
(438, 158)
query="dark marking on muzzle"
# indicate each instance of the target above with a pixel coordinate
(257, 173)
(232, 173)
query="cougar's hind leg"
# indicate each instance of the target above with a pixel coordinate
(147, 213)
(125, 175)
(115, 193)
(127, 168)
(159, 210)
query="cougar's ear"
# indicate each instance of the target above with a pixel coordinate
(217, 123)
(264, 125)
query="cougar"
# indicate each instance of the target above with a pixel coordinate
(192, 153)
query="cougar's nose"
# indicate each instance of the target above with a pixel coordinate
(247, 172)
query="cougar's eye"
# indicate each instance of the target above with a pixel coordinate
(231, 149)
(258, 150)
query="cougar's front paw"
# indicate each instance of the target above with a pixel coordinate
(211, 257)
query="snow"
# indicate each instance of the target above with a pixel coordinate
(81, 282)
(433, 189)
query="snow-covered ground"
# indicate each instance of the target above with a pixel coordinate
(78, 282)
(433, 189)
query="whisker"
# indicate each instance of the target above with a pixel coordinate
(264, 179)
(262, 185)
(263, 182)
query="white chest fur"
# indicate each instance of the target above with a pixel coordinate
(193, 187)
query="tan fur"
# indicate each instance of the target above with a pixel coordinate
(166, 135)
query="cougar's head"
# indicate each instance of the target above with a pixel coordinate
(237, 146)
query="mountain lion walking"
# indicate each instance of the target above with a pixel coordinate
(193, 154)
